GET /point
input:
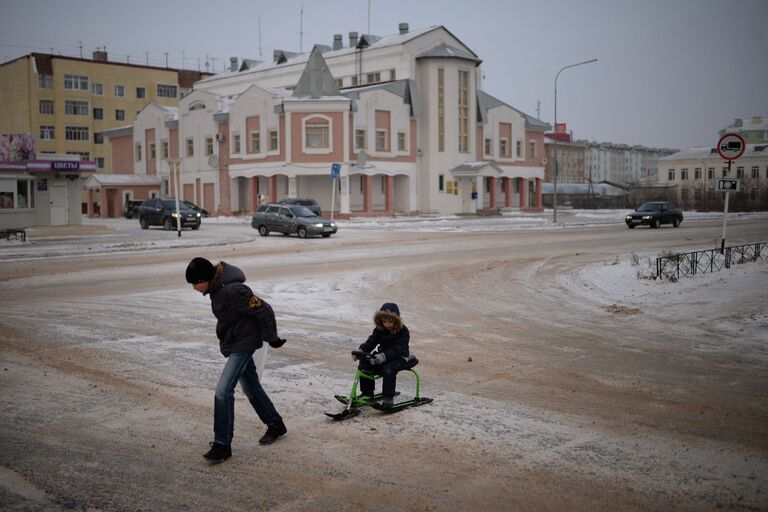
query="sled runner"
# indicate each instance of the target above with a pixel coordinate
(354, 401)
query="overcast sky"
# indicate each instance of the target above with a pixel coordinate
(670, 73)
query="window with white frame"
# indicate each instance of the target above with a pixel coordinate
(98, 89)
(236, 143)
(119, 114)
(440, 183)
(340, 83)
(360, 140)
(503, 147)
(98, 138)
(711, 173)
(519, 149)
(392, 74)
(138, 152)
(75, 108)
(755, 172)
(166, 91)
(100, 162)
(697, 173)
(740, 172)
(273, 140)
(165, 150)
(317, 133)
(683, 174)
(382, 137)
(98, 113)
(190, 146)
(76, 82)
(255, 142)
(373, 78)
(120, 91)
(671, 175)
(46, 107)
(152, 151)
(77, 133)
(208, 146)
(725, 172)
(532, 148)
(463, 113)
(141, 93)
(47, 132)
(401, 141)
(488, 147)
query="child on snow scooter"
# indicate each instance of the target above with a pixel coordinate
(388, 346)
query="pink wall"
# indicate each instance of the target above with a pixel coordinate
(337, 128)
(252, 124)
(122, 154)
(505, 132)
(224, 189)
(173, 135)
(383, 122)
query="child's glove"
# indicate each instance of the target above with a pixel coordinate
(378, 358)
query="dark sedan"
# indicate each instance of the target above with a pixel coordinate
(654, 214)
(288, 220)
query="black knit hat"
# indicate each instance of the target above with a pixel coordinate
(199, 270)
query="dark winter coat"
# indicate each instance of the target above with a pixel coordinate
(244, 320)
(392, 343)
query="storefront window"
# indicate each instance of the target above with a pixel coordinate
(16, 194)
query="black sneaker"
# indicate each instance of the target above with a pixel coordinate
(274, 431)
(387, 402)
(218, 453)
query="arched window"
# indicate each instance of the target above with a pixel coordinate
(317, 134)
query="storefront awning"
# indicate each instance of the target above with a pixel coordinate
(121, 180)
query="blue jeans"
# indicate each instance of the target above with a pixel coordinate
(240, 368)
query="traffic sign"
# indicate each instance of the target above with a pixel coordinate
(731, 146)
(727, 185)
(335, 171)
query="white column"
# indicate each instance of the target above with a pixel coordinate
(344, 196)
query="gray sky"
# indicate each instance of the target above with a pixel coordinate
(670, 73)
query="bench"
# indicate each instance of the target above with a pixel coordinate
(18, 234)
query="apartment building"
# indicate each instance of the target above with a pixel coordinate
(753, 129)
(693, 174)
(67, 103)
(404, 116)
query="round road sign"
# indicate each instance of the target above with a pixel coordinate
(731, 146)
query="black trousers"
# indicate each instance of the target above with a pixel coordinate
(388, 371)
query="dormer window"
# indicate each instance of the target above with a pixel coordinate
(197, 106)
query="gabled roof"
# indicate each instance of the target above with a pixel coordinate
(486, 102)
(316, 80)
(444, 51)
(477, 169)
(404, 88)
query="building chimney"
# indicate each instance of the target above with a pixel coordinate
(100, 56)
(403, 27)
(233, 63)
(352, 39)
(337, 42)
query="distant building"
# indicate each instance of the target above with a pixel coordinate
(693, 174)
(68, 102)
(404, 115)
(753, 129)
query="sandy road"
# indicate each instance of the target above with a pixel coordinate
(544, 400)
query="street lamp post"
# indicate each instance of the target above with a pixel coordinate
(176, 164)
(555, 169)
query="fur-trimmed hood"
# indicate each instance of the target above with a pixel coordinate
(388, 310)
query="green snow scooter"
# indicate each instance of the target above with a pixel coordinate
(354, 401)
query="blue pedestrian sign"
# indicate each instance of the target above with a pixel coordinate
(335, 171)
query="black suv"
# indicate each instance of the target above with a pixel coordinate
(131, 208)
(302, 201)
(162, 212)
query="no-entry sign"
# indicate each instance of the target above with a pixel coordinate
(731, 146)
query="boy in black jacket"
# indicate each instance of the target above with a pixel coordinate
(244, 321)
(388, 345)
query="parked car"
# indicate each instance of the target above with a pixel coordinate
(287, 220)
(654, 214)
(192, 205)
(162, 212)
(302, 201)
(131, 208)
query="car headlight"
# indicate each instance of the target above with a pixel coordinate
(629, 217)
(174, 215)
(199, 215)
(647, 217)
(318, 224)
